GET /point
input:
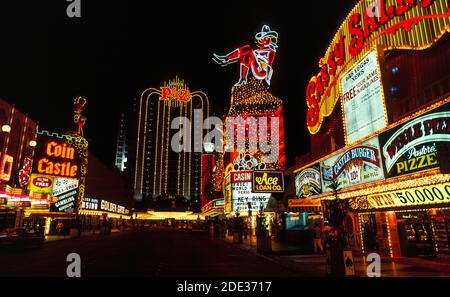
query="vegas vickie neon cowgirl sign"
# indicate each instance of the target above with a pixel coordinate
(259, 61)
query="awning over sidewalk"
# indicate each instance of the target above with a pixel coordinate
(305, 209)
(304, 205)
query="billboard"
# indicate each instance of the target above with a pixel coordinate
(66, 191)
(414, 146)
(308, 182)
(242, 194)
(357, 165)
(363, 99)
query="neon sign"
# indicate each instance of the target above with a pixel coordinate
(175, 90)
(6, 165)
(258, 61)
(64, 163)
(397, 24)
(24, 173)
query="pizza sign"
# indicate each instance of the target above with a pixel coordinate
(415, 145)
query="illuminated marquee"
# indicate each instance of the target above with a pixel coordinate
(112, 207)
(398, 24)
(420, 196)
(243, 196)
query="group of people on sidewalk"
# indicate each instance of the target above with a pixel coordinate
(217, 229)
(239, 229)
(236, 227)
(323, 237)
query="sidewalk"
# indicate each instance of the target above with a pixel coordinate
(277, 247)
(315, 265)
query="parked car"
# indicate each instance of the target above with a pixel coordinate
(20, 238)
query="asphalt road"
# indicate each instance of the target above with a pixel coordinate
(142, 253)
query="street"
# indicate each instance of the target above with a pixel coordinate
(146, 253)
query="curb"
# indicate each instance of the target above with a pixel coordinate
(81, 236)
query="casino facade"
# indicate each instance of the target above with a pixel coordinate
(378, 113)
(173, 179)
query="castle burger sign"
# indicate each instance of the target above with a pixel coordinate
(364, 153)
(357, 165)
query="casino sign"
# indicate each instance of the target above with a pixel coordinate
(392, 24)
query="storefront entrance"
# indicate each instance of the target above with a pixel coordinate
(424, 233)
(415, 233)
(369, 232)
(7, 219)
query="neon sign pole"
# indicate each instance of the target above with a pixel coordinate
(80, 144)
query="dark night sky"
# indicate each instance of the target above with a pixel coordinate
(118, 48)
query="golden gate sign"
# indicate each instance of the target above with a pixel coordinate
(398, 24)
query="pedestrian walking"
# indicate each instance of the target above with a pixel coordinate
(317, 238)
(59, 227)
(211, 230)
(244, 230)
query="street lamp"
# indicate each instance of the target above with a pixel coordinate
(33, 143)
(6, 128)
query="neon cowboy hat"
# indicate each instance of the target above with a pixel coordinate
(266, 32)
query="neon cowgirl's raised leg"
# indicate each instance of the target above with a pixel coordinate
(234, 56)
